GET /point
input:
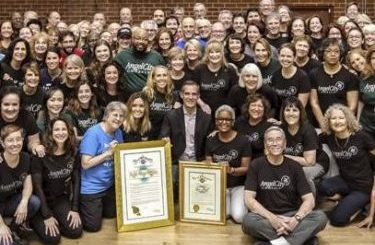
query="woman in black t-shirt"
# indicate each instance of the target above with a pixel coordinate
(102, 54)
(32, 93)
(137, 125)
(11, 113)
(16, 199)
(230, 147)
(253, 122)
(11, 68)
(354, 152)
(331, 82)
(110, 86)
(304, 52)
(215, 77)
(302, 144)
(56, 181)
(316, 31)
(50, 76)
(290, 80)
(235, 47)
(177, 68)
(250, 82)
(160, 96)
(83, 109)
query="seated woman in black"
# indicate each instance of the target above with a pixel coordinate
(232, 148)
(354, 152)
(302, 140)
(137, 125)
(11, 113)
(253, 122)
(56, 178)
(235, 48)
(16, 199)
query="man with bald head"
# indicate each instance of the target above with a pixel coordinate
(188, 32)
(126, 16)
(137, 61)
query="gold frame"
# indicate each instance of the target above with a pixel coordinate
(209, 169)
(154, 152)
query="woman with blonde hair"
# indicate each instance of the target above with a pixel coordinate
(73, 73)
(160, 96)
(354, 152)
(137, 125)
(193, 54)
(215, 77)
(39, 48)
(177, 67)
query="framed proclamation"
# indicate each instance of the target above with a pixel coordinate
(143, 180)
(202, 192)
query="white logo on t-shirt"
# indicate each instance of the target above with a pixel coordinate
(275, 184)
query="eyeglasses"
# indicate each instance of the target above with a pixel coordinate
(224, 120)
(333, 51)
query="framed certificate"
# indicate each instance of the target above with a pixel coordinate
(202, 192)
(143, 180)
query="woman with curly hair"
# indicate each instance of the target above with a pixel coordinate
(354, 152)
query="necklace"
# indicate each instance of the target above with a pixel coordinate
(332, 72)
(342, 146)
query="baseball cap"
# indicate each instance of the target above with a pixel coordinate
(124, 32)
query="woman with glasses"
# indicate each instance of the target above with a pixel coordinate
(331, 82)
(232, 149)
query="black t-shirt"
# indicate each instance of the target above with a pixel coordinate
(68, 92)
(306, 139)
(231, 152)
(267, 71)
(135, 136)
(177, 83)
(309, 66)
(47, 82)
(278, 188)
(277, 42)
(58, 176)
(215, 86)
(333, 89)
(255, 134)
(237, 97)
(33, 103)
(158, 108)
(240, 63)
(12, 179)
(10, 76)
(26, 121)
(352, 158)
(299, 83)
(104, 98)
(83, 121)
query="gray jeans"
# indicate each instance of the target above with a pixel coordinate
(312, 173)
(260, 228)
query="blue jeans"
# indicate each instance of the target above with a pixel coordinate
(351, 202)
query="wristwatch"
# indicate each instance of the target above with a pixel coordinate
(298, 218)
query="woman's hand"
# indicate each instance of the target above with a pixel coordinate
(38, 150)
(75, 219)
(367, 222)
(51, 226)
(5, 235)
(21, 212)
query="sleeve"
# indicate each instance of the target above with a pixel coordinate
(353, 83)
(233, 77)
(37, 179)
(303, 187)
(312, 76)
(323, 138)
(89, 144)
(166, 127)
(304, 82)
(246, 145)
(368, 140)
(30, 124)
(251, 183)
(36, 165)
(76, 185)
(310, 138)
(208, 147)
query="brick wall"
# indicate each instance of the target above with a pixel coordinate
(75, 10)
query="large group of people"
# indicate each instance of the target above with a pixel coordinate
(259, 91)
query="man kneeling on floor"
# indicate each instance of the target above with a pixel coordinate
(279, 198)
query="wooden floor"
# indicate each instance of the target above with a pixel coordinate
(195, 234)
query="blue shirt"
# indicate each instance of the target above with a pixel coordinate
(100, 177)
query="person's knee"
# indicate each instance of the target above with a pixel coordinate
(339, 219)
(51, 240)
(250, 223)
(92, 226)
(33, 206)
(75, 233)
(320, 218)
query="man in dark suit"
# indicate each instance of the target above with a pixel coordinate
(186, 128)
